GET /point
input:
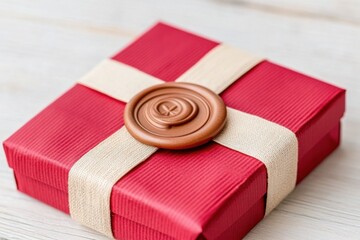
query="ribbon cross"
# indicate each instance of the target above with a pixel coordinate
(92, 177)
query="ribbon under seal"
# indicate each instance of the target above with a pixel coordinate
(92, 177)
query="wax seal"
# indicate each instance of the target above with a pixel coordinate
(175, 115)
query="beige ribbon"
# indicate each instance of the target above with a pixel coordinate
(118, 80)
(271, 143)
(92, 177)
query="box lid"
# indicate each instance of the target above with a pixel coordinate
(177, 192)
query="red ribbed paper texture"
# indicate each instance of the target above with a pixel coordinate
(210, 192)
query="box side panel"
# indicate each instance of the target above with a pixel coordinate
(235, 226)
(228, 216)
(123, 228)
(319, 152)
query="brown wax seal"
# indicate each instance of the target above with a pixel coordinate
(175, 115)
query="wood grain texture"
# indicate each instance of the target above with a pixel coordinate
(46, 45)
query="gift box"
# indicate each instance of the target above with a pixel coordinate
(207, 192)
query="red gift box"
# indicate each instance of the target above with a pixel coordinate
(209, 192)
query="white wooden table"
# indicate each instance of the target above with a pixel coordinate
(46, 45)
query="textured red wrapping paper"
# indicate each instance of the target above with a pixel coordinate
(210, 192)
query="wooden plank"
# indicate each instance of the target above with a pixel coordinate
(46, 45)
(334, 10)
